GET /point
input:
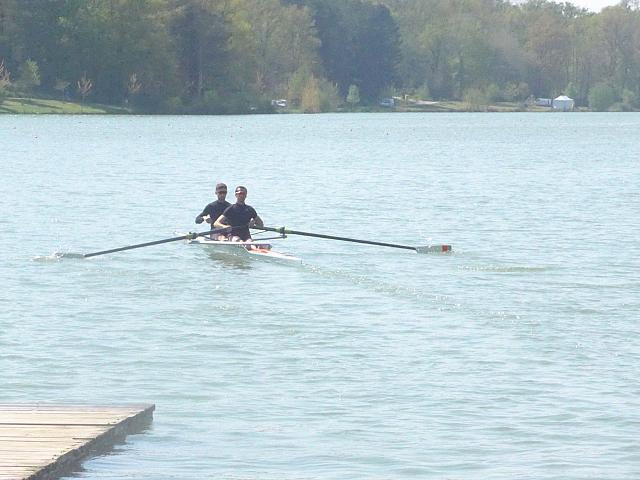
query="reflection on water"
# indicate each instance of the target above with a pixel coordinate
(228, 259)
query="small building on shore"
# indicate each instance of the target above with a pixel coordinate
(542, 102)
(563, 103)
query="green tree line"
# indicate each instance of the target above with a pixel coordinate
(236, 56)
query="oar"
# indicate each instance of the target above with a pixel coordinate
(188, 236)
(420, 249)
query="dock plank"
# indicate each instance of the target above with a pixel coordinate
(44, 442)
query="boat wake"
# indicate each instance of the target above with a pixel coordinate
(506, 268)
(440, 301)
(54, 257)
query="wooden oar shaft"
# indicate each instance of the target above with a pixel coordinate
(189, 236)
(285, 231)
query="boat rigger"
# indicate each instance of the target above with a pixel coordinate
(259, 247)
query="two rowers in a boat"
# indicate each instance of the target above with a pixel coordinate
(237, 217)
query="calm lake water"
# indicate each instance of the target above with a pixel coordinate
(515, 357)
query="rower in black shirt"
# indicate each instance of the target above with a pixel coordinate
(240, 216)
(215, 209)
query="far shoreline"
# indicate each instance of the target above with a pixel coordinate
(47, 106)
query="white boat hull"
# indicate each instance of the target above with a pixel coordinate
(250, 249)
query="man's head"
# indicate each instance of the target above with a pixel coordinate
(241, 193)
(221, 191)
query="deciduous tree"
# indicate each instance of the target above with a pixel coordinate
(28, 75)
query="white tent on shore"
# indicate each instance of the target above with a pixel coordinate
(563, 103)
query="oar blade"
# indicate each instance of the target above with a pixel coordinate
(69, 255)
(434, 249)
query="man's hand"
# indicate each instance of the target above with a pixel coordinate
(199, 219)
(256, 222)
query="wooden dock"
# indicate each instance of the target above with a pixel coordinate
(45, 442)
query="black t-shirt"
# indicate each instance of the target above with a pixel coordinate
(214, 210)
(239, 215)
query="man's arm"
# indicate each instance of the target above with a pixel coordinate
(204, 213)
(256, 222)
(221, 222)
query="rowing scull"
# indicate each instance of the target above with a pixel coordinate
(257, 249)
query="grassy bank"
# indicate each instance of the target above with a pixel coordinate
(448, 106)
(457, 106)
(33, 105)
(30, 105)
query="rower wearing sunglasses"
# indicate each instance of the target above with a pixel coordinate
(240, 216)
(216, 208)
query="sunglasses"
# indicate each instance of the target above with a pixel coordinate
(221, 191)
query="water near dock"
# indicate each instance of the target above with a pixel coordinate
(43, 442)
(514, 357)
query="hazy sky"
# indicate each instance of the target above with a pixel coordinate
(594, 5)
